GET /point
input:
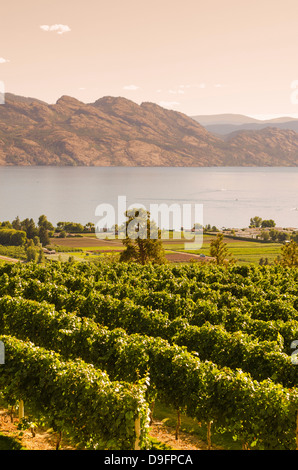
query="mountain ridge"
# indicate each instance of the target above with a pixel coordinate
(115, 131)
(224, 124)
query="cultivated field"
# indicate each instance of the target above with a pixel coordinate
(244, 251)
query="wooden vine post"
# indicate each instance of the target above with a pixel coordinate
(178, 424)
(21, 409)
(59, 437)
(209, 435)
(138, 433)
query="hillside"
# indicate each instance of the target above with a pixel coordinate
(114, 131)
(224, 124)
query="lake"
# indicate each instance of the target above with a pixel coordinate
(230, 196)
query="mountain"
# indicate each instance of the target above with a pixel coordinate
(114, 131)
(267, 147)
(109, 132)
(237, 119)
(212, 119)
(223, 124)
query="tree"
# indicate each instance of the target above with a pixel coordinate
(36, 241)
(273, 234)
(41, 257)
(44, 236)
(89, 227)
(289, 254)
(16, 223)
(18, 238)
(62, 234)
(219, 251)
(255, 221)
(12, 237)
(282, 236)
(31, 251)
(28, 225)
(267, 223)
(6, 224)
(143, 239)
(265, 235)
(43, 222)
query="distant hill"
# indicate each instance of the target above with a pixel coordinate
(223, 124)
(114, 131)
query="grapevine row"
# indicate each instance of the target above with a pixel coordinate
(74, 396)
(266, 320)
(205, 391)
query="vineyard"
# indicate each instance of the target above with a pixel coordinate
(90, 348)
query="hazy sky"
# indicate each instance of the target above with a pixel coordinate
(198, 57)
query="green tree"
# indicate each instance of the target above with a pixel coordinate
(28, 225)
(16, 223)
(43, 222)
(6, 224)
(70, 227)
(282, 236)
(143, 239)
(267, 223)
(273, 234)
(18, 238)
(31, 253)
(265, 235)
(289, 254)
(255, 221)
(43, 234)
(12, 237)
(62, 234)
(89, 227)
(41, 256)
(219, 251)
(36, 241)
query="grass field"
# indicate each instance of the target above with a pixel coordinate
(245, 251)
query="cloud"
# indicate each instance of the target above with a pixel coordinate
(57, 28)
(3, 61)
(131, 87)
(169, 104)
(174, 92)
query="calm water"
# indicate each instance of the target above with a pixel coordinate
(230, 196)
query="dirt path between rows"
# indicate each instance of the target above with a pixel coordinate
(166, 435)
(11, 260)
(46, 440)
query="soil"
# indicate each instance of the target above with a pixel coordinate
(166, 435)
(81, 242)
(43, 440)
(46, 440)
(7, 258)
(180, 257)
